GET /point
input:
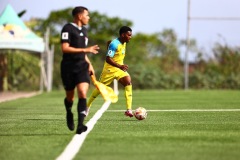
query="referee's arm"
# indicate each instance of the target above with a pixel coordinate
(66, 48)
(90, 69)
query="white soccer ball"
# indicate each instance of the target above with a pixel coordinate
(140, 113)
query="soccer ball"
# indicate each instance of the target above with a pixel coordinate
(140, 113)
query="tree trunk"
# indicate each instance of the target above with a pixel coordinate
(3, 72)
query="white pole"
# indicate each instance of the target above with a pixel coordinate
(115, 86)
(48, 60)
(50, 66)
(186, 65)
(41, 73)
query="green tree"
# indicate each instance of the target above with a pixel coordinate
(101, 29)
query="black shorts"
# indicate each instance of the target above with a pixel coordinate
(74, 73)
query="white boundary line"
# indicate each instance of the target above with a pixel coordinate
(186, 110)
(74, 146)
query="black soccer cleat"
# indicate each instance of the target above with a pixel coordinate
(70, 121)
(81, 128)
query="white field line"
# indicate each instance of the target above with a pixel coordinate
(185, 110)
(74, 146)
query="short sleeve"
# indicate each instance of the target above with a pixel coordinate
(112, 49)
(65, 34)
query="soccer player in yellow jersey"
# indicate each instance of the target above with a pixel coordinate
(114, 68)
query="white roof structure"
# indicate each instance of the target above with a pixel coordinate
(15, 35)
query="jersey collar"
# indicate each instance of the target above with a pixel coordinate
(75, 25)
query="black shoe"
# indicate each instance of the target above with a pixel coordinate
(81, 128)
(70, 121)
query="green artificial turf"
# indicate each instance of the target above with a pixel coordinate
(35, 128)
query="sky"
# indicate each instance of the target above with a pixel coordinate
(152, 16)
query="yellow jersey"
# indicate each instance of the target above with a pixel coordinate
(116, 50)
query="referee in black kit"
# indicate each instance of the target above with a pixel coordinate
(75, 65)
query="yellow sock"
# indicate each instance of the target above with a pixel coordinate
(94, 95)
(128, 95)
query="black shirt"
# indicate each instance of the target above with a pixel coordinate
(77, 38)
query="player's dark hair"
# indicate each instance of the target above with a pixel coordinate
(124, 29)
(77, 10)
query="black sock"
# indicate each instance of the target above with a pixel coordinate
(82, 104)
(68, 105)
